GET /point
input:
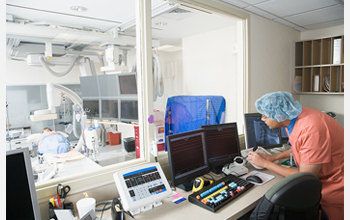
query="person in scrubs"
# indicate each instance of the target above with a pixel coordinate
(51, 142)
(317, 146)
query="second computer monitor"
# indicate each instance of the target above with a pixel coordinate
(222, 145)
(187, 158)
(257, 133)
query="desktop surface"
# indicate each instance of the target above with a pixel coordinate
(187, 210)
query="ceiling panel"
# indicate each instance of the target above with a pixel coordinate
(324, 24)
(45, 17)
(253, 2)
(301, 15)
(236, 3)
(284, 8)
(319, 16)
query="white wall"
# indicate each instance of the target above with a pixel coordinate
(334, 103)
(210, 68)
(271, 57)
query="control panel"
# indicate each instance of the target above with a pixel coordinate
(142, 186)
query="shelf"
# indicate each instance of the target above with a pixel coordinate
(323, 65)
(319, 66)
(318, 93)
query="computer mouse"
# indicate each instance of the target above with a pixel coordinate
(254, 179)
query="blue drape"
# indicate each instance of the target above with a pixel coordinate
(187, 113)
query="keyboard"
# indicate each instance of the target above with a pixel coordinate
(262, 150)
(218, 194)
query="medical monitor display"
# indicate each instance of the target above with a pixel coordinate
(257, 133)
(187, 158)
(222, 145)
(284, 136)
(129, 110)
(127, 83)
(92, 108)
(109, 109)
(21, 198)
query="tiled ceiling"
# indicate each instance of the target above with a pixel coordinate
(301, 15)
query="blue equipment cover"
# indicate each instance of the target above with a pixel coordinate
(187, 113)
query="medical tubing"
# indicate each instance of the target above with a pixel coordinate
(74, 126)
(44, 64)
(154, 67)
(158, 76)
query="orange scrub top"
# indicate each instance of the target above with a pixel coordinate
(317, 138)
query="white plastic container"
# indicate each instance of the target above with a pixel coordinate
(85, 205)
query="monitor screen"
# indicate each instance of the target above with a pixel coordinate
(222, 144)
(187, 158)
(127, 83)
(20, 186)
(129, 110)
(92, 108)
(284, 136)
(257, 133)
(109, 109)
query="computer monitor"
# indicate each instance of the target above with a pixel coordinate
(257, 133)
(284, 136)
(109, 109)
(222, 144)
(187, 158)
(92, 107)
(21, 198)
(129, 110)
(127, 83)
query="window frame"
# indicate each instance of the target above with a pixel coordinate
(92, 179)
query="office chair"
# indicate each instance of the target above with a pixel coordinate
(294, 197)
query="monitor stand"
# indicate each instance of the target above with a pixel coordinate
(187, 186)
(217, 169)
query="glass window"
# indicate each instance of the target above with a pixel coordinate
(195, 52)
(199, 53)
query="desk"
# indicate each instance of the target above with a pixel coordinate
(187, 210)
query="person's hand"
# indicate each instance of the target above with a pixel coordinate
(258, 159)
(267, 157)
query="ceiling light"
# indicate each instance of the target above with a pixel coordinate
(78, 8)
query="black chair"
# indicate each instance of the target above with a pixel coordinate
(294, 197)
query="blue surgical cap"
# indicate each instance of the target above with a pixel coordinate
(278, 106)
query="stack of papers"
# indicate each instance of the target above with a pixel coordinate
(326, 83)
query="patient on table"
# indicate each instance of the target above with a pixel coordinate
(51, 142)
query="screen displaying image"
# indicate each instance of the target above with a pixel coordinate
(127, 84)
(92, 108)
(259, 134)
(129, 110)
(109, 109)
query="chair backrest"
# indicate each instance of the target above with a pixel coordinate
(294, 197)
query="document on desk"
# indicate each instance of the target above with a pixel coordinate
(64, 214)
(71, 155)
(263, 176)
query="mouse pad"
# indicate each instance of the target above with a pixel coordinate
(265, 177)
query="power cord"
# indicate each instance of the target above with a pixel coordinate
(104, 209)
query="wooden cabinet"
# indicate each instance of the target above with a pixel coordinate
(319, 66)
